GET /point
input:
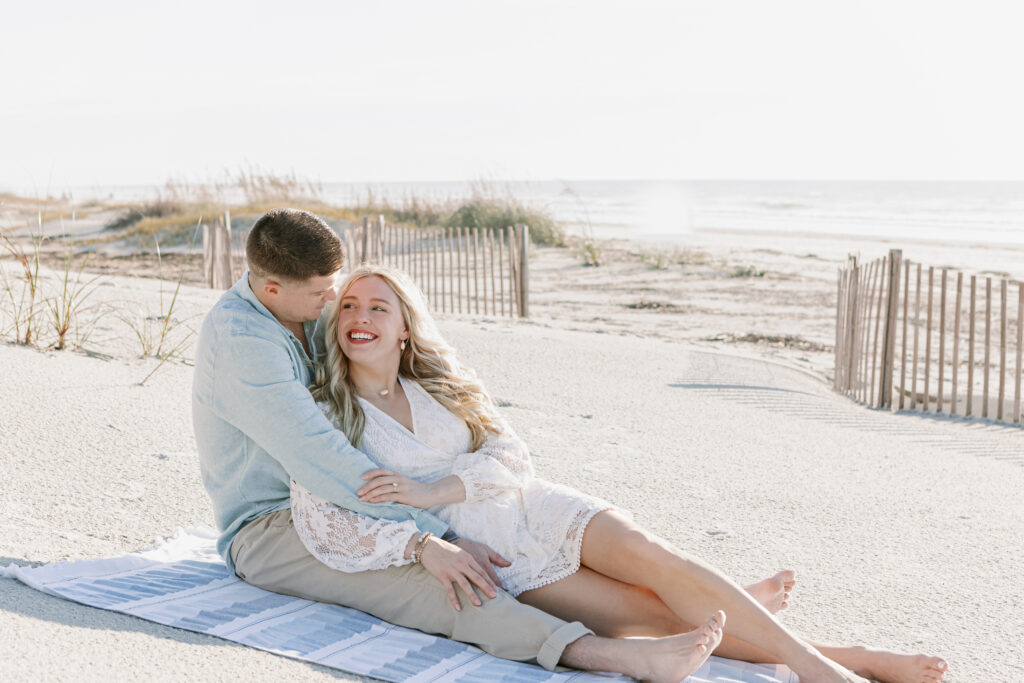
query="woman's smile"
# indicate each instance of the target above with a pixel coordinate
(358, 336)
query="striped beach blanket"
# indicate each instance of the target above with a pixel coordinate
(183, 583)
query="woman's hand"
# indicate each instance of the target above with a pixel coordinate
(388, 486)
(453, 566)
(485, 557)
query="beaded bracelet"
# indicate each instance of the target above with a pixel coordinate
(420, 544)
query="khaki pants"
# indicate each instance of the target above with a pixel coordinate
(268, 554)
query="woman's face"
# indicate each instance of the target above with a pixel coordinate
(370, 324)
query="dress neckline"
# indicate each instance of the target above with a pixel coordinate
(412, 409)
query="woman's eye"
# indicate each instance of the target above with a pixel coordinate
(378, 308)
(346, 305)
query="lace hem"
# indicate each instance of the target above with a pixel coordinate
(569, 568)
(345, 540)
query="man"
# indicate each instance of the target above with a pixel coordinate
(257, 427)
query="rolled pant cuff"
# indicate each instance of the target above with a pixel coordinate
(552, 649)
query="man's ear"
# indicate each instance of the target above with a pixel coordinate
(272, 287)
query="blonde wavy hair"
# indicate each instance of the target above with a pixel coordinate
(427, 359)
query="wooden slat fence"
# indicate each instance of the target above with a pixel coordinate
(460, 270)
(921, 338)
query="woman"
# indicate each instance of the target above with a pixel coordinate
(395, 389)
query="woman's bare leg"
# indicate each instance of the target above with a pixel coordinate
(618, 548)
(629, 611)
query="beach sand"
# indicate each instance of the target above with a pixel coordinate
(904, 529)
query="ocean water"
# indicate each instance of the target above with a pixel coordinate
(668, 211)
(980, 213)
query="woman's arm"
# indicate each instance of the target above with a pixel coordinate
(345, 540)
(502, 463)
(350, 542)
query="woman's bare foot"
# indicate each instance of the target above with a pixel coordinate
(672, 659)
(893, 667)
(773, 592)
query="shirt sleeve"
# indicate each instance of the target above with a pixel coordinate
(502, 463)
(256, 390)
(345, 540)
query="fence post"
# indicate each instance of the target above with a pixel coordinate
(513, 272)
(524, 270)
(366, 238)
(208, 255)
(381, 226)
(889, 335)
(230, 247)
(837, 350)
(219, 269)
(851, 323)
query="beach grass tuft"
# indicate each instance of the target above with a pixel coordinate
(691, 257)
(68, 304)
(588, 250)
(25, 304)
(160, 333)
(746, 271)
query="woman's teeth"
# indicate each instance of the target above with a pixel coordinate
(361, 336)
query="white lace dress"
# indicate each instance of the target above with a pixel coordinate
(536, 525)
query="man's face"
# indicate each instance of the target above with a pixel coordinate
(297, 302)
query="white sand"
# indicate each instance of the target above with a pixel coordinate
(904, 530)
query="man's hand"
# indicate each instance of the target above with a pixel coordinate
(453, 566)
(485, 557)
(388, 486)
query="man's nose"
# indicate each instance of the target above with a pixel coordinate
(330, 294)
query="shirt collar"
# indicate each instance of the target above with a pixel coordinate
(243, 291)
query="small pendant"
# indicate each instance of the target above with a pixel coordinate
(383, 392)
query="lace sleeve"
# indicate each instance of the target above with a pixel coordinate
(502, 463)
(345, 540)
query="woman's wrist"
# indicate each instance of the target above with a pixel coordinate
(410, 545)
(448, 490)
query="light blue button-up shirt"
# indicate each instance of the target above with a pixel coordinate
(257, 425)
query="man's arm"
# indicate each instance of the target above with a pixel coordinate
(255, 390)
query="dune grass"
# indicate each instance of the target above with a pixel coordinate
(179, 205)
(23, 304)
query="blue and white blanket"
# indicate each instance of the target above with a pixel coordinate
(183, 583)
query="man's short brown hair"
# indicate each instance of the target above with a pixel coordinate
(292, 244)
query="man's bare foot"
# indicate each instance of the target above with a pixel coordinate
(893, 667)
(671, 659)
(773, 593)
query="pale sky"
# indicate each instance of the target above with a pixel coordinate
(133, 92)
